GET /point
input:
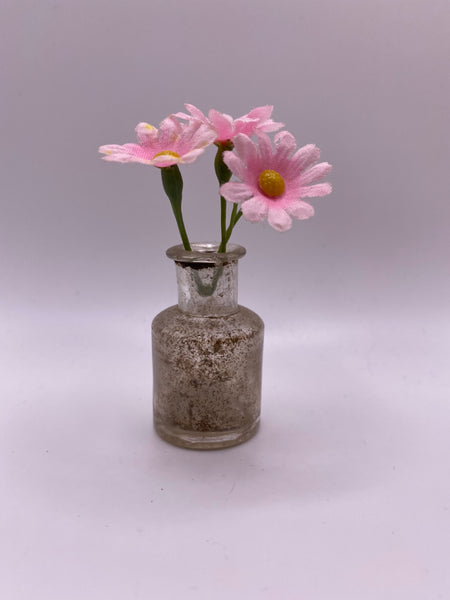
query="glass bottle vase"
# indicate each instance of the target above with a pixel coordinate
(207, 354)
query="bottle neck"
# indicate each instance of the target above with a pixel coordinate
(207, 289)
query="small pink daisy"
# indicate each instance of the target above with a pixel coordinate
(273, 183)
(173, 143)
(226, 128)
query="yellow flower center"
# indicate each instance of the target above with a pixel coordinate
(271, 183)
(167, 153)
(149, 127)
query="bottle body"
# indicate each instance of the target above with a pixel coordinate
(207, 359)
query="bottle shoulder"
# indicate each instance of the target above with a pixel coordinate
(173, 319)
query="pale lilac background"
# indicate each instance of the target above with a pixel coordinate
(345, 493)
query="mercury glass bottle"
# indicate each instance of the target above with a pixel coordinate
(207, 354)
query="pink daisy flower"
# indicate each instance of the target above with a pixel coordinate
(226, 128)
(173, 143)
(274, 183)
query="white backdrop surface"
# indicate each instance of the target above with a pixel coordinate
(345, 492)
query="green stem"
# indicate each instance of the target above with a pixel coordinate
(223, 175)
(223, 219)
(182, 229)
(173, 186)
(223, 240)
(235, 216)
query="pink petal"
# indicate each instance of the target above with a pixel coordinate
(285, 139)
(264, 122)
(285, 145)
(304, 157)
(315, 173)
(142, 153)
(235, 191)
(186, 139)
(146, 133)
(265, 150)
(300, 210)
(262, 113)
(196, 112)
(235, 164)
(182, 115)
(110, 149)
(313, 191)
(169, 130)
(189, 157)
(203, 136)
(245, 149)
(165, 160)
(244, 125)
(222, 123)
(126, 153)
(115, 153)
(254, 210)
(270, 125)
(279, 219)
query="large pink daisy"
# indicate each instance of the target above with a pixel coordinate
(226, 128)
(274, 183)
(173, 143)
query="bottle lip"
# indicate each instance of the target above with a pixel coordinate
(206, 252)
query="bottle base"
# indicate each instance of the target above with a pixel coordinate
(198, 440)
